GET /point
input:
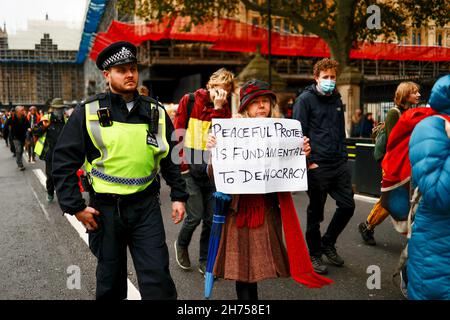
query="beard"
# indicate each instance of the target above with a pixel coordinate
(122, 89)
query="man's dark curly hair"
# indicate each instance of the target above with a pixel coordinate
(323, 65)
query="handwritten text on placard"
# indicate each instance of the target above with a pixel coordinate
(258, 155)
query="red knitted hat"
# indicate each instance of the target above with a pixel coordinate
(252, 89)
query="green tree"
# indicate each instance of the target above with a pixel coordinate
(340, 23)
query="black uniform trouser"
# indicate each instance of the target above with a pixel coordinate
(335, 180)
(49, 185)
(137, 224)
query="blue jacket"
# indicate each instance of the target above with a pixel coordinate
(428, 263)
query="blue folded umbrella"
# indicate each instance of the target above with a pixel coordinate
(221, 206)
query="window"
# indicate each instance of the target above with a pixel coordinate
(439, 39)
(277, 25)
(418, 38)
(255, 24)
(413, 38)
(286, 26)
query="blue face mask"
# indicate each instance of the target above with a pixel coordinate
(327, 85)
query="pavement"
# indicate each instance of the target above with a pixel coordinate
(41, 252)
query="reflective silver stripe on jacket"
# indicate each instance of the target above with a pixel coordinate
(120, 180)
(95, 130)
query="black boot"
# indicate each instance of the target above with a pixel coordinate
(367, 234)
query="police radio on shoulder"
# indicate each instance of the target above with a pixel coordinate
(154, 117)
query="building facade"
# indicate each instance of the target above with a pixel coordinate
(34, 76)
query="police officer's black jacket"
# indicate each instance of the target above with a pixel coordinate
(74, 144)
(52, 134)
(322, 120)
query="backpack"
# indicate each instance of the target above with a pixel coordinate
(380, 137)
(189, 108)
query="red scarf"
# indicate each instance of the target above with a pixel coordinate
(250, 211)
(251, 214)
(299, 261)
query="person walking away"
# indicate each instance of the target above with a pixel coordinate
(125, 139)
(356, 123)
(406, 95)
(18, 130)
(5, 127)
(12, 115)
(194, 115)
(321, 113)
(33, 118)
(367, 124)
(48, 131)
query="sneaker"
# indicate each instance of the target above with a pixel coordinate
(332, 256)
(202, 268)
(366, 234)
(318, 265)
(21, 168)
(182, 257)
(50, 197)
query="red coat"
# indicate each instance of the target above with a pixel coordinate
(197, 125)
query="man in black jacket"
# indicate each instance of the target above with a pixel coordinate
(19, 126)
(320, 111)
(125, 139)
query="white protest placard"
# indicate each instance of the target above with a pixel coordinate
(258, 155)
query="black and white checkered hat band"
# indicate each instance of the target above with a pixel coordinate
(123, 56)
(125, 181)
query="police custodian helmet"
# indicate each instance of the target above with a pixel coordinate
(121, 52)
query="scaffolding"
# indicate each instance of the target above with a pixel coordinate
(39, 75)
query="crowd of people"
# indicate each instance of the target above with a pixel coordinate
(36, 133)
(124, 140)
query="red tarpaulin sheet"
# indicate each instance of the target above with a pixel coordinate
(235, 36)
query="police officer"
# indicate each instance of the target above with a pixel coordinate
(48, 131)
(125, 139)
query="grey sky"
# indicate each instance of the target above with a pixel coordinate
(16, 13)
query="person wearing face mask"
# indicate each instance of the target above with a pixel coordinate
(320, 111)
(406, 95)
(193, 118)
(48, 131)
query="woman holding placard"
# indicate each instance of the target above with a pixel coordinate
(251, 247)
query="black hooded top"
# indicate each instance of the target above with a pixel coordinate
(322, 120)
